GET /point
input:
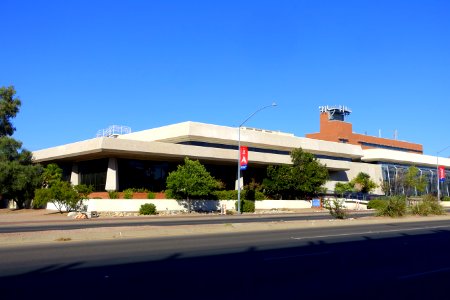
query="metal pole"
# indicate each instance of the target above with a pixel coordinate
(437, 176)
(239, 153)
(239, 169)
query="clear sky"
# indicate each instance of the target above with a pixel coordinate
(79, 66)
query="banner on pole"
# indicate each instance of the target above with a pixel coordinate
(441, 173)
(244, 157)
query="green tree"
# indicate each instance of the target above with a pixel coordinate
(305, 177)
(190, 181)
(52, 173)
(18, 176)
(363, 183)
(9, 107)
(414, 182)
(61, 193)
(341, 188)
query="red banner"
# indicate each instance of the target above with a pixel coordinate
(441, 173)
(244, 157)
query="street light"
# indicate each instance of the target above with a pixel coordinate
(239, 152)
(437, 172)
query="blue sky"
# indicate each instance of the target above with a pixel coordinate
(80, 66)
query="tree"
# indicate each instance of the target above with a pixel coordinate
(414, 182)
(190, 181)
(52, 173)
(9, 107)
(305, 177)
(61, 193)
(342, 188)
(363, 183)
(18, 176)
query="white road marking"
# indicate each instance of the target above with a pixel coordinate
(369, 232)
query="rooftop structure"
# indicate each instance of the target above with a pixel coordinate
(333, 128)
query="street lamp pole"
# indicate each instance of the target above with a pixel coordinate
(437, 172)
(239, 152)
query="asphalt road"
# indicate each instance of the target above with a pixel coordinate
(378, 261)
(69, 224)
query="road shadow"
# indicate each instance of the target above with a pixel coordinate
(406, 266)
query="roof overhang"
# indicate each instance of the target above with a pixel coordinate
(404, 158)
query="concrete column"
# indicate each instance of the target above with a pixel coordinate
(75, 176)
(112, 177)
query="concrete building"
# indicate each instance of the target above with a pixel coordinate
(120, 159)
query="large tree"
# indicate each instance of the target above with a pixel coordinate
(304, 178)
(18, 175)
(9, 107)
(414, 182)
(190, 181)
(363, 183)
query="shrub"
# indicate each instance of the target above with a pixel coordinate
(41, 198)
(148, 209)
(113, 194)
(151, 195)
(128, 194)
(376, 204)
(260, 196)
(336, 208)
(246, 206)
(428, 206)
(226, 195)
(446, 198)
(233, 195)
(395, 207)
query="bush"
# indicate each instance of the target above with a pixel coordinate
(140, 190)
(113, 194)
(148, 209)
(395, 207)
(446, 198)
(377, 204)
(151, 195)
(41, 198)
(247, 206)
(233, 195)
(428, 206)
(226, 195)
(128, 193)
(336, 208)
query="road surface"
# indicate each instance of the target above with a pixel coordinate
(395, 260)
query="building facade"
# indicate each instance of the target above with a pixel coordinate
(143, 159)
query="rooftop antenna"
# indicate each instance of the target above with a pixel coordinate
(395, 134)
(113, 131)
(379, 133)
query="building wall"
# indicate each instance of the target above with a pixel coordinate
(373, 170)
(339, 131)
